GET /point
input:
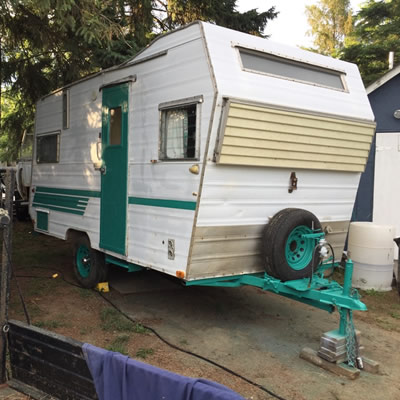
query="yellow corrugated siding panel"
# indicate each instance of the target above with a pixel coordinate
(263, 136)
(294, 138)
(295, 146)
(265, 162)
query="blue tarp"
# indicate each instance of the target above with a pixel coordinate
(118, 377)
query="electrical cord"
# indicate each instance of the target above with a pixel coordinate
(264, 389)
(231, 372)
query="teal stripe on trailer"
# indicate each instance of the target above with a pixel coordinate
(62, 201)
(62, 209)
(71, 192)
(71, 201)
(179, 204)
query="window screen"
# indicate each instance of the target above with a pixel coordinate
(296, 70)
(178, 133)
(47, 148)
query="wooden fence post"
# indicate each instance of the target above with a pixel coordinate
(5, 271)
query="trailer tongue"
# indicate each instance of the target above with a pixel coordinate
(316, 291)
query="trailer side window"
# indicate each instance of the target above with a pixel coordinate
(47, 147)
(65, 109)
(178, 133)
(281, 67)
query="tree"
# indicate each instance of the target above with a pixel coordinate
(175, 13)
(376, 33)
(46, 44)
(330, 22)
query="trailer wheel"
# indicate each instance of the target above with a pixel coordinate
(89, 265)
(288, 256)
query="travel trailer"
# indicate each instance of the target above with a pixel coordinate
(212, 153)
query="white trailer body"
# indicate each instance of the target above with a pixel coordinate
(206, 134)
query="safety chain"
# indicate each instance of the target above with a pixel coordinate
(351, 343)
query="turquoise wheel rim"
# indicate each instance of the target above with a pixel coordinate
(298, 250)
(83, 261)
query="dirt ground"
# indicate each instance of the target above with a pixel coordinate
(254, 333)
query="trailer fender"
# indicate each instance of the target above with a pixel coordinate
(286, 254)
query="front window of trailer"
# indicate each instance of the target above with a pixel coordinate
(178, 133)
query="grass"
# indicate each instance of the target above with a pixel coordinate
(119, 344)
(113, 320)
(373, 292)
(395, 315)
(139, 328)
(143, 353)
(85, 330)
(51, 324)
(85, 293)
(41, 287)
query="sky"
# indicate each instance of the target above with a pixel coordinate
(291, 25)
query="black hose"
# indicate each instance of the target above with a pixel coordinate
(274, 395)
(255, 384)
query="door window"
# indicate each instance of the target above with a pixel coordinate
(115, 126)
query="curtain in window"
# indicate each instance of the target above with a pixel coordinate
(176, 128)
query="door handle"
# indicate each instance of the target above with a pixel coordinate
(103, 170)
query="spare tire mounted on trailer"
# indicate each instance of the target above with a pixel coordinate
(287, 255)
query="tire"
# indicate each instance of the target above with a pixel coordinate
(21, 210)
(288, 256)
(89, 265)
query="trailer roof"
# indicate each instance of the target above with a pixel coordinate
(248, 67)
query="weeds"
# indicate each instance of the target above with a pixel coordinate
(51, 324)
(119, 344)
(85, 330)
(114, 321)
(395, 315)
(139, 328)
(373, 292)
(143, 353)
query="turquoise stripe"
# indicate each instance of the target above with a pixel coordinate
(55, 208)
(61, 201)
(179, 204)
(71, 192)
(53, 199)
(70, 201)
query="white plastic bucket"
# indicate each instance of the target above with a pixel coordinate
(371, 249)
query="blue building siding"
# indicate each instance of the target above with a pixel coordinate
(384, 101)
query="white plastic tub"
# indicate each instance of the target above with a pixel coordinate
(371, 249)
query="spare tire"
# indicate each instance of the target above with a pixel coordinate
(288, 256)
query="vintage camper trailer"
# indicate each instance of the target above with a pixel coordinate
(212, 153)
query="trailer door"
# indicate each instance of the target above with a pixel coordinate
(114, 168)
